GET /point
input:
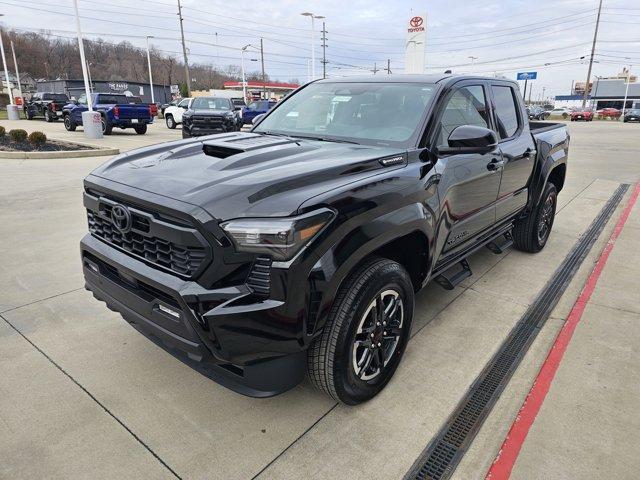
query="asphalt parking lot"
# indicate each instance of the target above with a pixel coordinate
(82, 395)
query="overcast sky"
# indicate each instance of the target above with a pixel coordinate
(505, 36)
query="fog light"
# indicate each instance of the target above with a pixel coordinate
(169, 311)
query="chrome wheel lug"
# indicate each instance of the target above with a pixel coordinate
(384, 333)
(379, 344)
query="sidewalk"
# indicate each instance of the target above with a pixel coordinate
(580, 419)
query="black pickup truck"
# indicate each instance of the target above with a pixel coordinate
(47, 105)
(208, 115)
(297, 247)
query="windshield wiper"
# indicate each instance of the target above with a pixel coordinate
(324, 139)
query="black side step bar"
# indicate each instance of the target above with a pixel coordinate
(449, 282)
(499, 247)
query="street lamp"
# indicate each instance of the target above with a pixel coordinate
(473, 62)
(626, 91)
(153, 99)
(313, 43)
(12, 110)
(244, 82)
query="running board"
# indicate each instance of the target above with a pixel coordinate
(449, 281)
(498, 247)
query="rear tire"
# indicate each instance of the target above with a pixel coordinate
(69, 124)
(366, 333)
(47, 116)
(171, 123)
(107, 128)
(530, 234)
(141, 129)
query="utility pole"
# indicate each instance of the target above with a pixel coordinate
(375, 68)
(593, 51)
(473, 62)
(388, 69)
(324, 50)
(15, 62)
(264, 77)
(187, 76)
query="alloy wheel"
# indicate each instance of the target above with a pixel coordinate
(378, 335)
(546, 218)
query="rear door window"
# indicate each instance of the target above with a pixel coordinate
(507, 119)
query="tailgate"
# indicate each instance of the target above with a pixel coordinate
(132, 111)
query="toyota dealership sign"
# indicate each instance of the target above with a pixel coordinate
(415, 44)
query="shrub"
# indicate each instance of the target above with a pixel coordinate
(18, 135)
(37, 138)
(3, 131)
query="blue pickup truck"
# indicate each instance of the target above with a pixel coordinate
(256, 108)
(118, 111)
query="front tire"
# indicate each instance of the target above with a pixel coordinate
(366, 333)
(530, 234)
(47, 116)
(171, 123)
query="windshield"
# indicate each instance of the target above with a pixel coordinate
(210, 103)
(387, 113)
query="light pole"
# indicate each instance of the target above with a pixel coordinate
(473, 62)
(12, 110)
(15, 62)
(626, 92)
(313, 42)
(153, 98)
(91, 121)
(244, 82)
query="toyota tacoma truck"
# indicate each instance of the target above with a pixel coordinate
(297, 248)
(116, 111)
(207, 115)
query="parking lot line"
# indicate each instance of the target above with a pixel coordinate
(508, 454)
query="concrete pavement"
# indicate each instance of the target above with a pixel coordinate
(200, 430)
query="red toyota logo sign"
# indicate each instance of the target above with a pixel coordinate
(415, 22)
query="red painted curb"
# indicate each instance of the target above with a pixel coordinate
(508, 454)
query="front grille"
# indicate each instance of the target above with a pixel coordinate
(170, 247)
(212, 122)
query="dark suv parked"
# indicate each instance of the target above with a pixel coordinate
(254, 257)
(47, 105)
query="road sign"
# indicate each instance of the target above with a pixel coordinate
(527, 75)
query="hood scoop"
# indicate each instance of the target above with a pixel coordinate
(227, 145)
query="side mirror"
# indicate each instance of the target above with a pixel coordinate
(470, 139)
(257, 119)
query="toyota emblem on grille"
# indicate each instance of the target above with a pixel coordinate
(121, 218)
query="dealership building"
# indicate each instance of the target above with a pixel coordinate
(75, 88)
(605, 93)
(256, 89)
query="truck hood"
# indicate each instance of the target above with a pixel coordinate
(248, 174)
(209, 112)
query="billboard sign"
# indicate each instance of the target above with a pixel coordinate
(527, 75)
(415, 44)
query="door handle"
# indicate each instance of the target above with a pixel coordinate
(527, 153)
(495, 164)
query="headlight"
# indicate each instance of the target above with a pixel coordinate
(281, 238)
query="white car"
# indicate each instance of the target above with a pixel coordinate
(560, 112)
(173, 113)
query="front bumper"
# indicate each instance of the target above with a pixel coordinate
(199, 131)
(232, 343)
